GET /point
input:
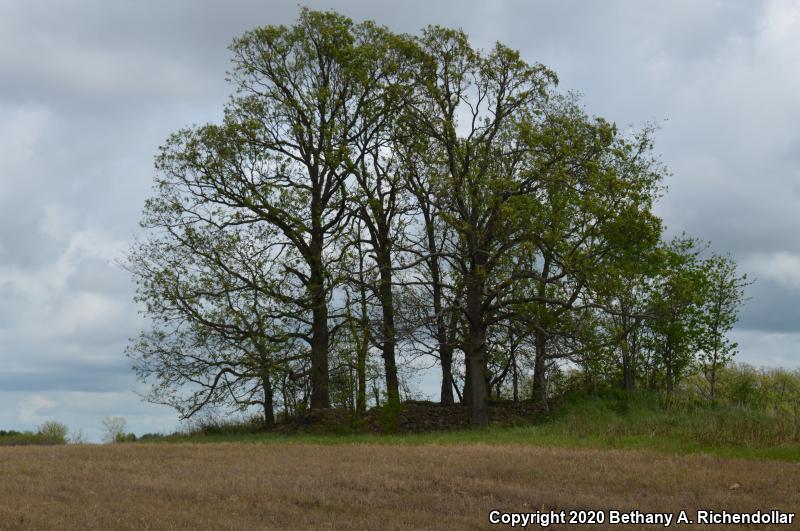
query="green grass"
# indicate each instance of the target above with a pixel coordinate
(28, 439)
(611, 421)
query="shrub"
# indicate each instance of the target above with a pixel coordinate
(55, 431)
(210, 425)
(125, 437)
(27, 438)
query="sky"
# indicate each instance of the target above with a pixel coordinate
(89, 89)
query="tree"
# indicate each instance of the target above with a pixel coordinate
(624, 294)
(370, 192)
(53, 431)
(379, 196)
(220, 334)
(284, 152)
(115, 428)
(675, 308)
(724, 298)
(432, 292)
(593, 214)
(536, 192)
(476, 172)
(358, 326)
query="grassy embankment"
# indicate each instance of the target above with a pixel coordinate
(609, 421)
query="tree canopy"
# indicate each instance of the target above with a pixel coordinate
(414, 197)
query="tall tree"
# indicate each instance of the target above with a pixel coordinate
(359, 327)
(594, 216)
(676, 309)
(379, 195)
(285, 149)
(469, 106)
(431, 294)
(724, 298)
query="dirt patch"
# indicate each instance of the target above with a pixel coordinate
(301, 486)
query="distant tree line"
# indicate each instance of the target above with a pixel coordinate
(373, 202)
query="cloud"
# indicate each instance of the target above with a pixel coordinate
(773, 349)
(84, 411)
(31, 407)
(90, 89)
(781, 267)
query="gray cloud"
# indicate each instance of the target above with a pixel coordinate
(772, 308)
(90, 89)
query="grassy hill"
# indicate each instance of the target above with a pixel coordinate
(608, 420)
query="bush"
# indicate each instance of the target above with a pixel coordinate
(151, 437)
(210, 425)
(48, 433)
(125, 437)
(53, 430)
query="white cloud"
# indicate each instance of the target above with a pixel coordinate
(84, 411)
(768, 349)
(34, 408)
(86, 312)
(781, 267)
(20, 129)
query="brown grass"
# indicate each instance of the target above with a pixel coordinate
(252, 486)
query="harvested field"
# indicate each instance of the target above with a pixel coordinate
(255, 486)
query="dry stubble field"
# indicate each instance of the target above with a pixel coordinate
(302, 486)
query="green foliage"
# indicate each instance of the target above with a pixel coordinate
(773, 392)
(49, 433)
(53, 430)
(125, 437)
(453, 201)
(724, 297)
(754, 409)
(387, 416)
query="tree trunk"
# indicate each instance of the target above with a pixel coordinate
(269, 412)
(288, 411)
(320, 398)
(363, 341)
(377, 394)
(627, 366)
(387, 307)
(514, 374)
(476, 354)
(446, 358)
(361, 375)
(670, 374)
(713, 379)
(540, 360)
(442, 338)
(466, 399)
(628, 378)
(539, 368)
